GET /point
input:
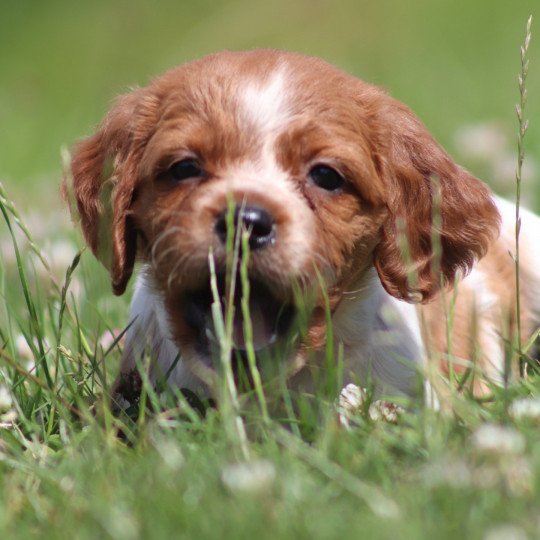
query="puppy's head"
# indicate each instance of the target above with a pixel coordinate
(327, 173)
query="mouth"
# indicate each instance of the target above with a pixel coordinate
(270, 318)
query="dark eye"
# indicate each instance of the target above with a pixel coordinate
(326, 178)
(187, 168)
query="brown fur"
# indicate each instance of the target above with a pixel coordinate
(395, 172)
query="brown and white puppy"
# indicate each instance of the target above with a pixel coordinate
(333, 178)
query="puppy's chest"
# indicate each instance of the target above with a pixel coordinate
(381, 340)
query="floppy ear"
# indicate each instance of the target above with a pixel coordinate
(423, 182)
(104, 174)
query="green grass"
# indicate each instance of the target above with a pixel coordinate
(64, 470)
(67, 473)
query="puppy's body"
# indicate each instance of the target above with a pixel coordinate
(382, 336)
(332, 178)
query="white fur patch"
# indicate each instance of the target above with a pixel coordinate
(149, 333)
(381, 338)
(265, 103)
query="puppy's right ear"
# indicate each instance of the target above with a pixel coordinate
(423, 181)
(104, 175)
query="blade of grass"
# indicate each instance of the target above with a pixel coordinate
(67, 281)
(34, 319)
(248, 327)
(523, 126)
(223, 329)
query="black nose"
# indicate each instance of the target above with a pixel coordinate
(257, 221)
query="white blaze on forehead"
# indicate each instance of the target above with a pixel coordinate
(265, 102)
(263, 173)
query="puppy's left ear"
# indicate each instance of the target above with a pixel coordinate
(104, 177)
(423, 182)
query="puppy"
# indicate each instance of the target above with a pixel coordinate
(338, 186)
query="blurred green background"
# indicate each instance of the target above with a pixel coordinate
(455, 62)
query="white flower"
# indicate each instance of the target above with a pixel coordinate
(385, 410)
(251, 476)
(496, 439)
(350, 401)
(528, 407)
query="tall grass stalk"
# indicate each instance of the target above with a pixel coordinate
(248, 326)
(8, 208)
(35, 316)
(223, 329)
(523, 126)
(223, 318)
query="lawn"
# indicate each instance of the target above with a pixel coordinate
(68, 468)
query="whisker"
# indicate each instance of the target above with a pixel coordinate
(157, 260)
(356, 291)
(175, 269)
(162, 236)
(174, 274)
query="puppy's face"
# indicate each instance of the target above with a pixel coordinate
(322, 170)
